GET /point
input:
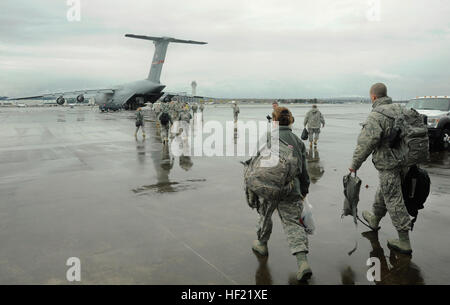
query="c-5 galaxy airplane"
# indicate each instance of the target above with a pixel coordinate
(131, 95)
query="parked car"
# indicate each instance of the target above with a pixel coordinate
(437, 111)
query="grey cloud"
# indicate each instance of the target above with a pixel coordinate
(266, 49)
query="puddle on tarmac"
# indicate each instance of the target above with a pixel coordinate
(167, 187)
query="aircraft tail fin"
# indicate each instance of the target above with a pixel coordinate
(159, 56)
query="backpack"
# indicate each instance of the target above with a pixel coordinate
(164, 118)
(415, 189)
(272, 183)
(409, 136)
(139, 116)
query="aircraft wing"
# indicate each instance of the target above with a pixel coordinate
(64, 93)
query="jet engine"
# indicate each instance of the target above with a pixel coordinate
(60, 100)
(80, 98)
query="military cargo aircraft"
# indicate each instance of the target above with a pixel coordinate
(131, 95)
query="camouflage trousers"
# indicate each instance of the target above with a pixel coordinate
(313, 133)
(141, 127)
(389, 198)
(156, 119)
(164, 132)
(290, 213)
(173, 115)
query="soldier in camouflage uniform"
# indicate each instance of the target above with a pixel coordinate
(157, 110)
(164, 108)
(172, 108)
(164, 128)
(389, 197)
(184, 119)
(235, 111)
(312, 121)
(288, 210)
(174, 112)
(194, 108)
(179, 108)
(139, 122)
(201, 108)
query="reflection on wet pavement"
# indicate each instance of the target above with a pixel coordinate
(168, 187)
(163, 160)
(64, 182)
(315, 166)
(185, 162)
(348, 276)
(399, 270)
(262, 274)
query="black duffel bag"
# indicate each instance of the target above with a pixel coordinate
(305, 135)
(415, 189)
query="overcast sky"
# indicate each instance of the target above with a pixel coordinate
(273, 49)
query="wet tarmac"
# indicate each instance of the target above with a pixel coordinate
(75, 183)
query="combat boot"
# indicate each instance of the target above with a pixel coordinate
(304, 272)
(260, 247)
(372, 220)
(402, 244)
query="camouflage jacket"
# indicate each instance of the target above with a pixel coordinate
(185, 116)
(157, 107)
(139, 117)
(179, 107)
(313, 119)
(164, 107)
(302, 181)
(235, 109)
(372, 139)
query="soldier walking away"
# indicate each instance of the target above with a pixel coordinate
(313, 119)
(194, 108)
(139, 122)
(179, 108)
(289, 210)
(389, 197)
(185, 119)
(165, 121)
(157, 111)
(235, 111)
(173, 108)
(201, 108)
(274, 107)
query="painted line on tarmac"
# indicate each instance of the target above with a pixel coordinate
(202, 258)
